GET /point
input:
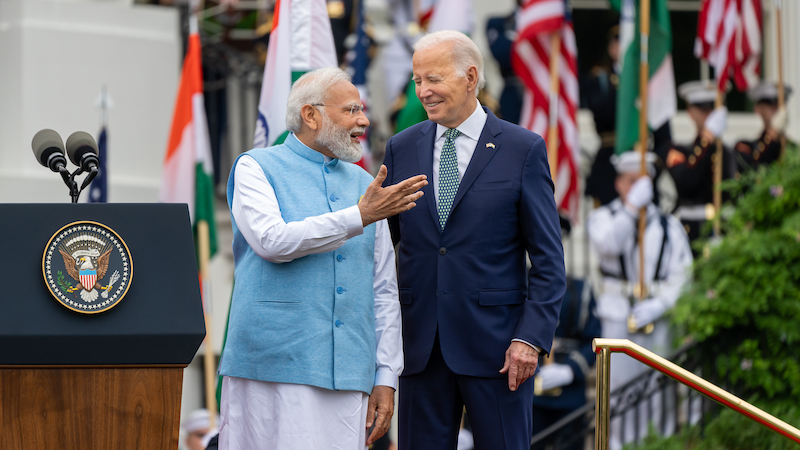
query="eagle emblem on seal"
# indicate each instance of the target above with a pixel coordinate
(88, 272)
(87, 267)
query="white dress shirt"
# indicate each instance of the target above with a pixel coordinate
(466, 143)
(257, 213)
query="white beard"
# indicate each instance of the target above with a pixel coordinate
(337, 140)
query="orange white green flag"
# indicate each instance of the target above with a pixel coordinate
(188, 173)
(301, 40)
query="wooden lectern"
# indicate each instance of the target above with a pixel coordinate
(110, 380)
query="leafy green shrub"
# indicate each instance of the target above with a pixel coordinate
(730, 431)
(743, 308)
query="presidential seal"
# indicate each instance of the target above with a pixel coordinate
(87, 267)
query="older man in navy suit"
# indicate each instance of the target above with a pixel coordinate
(473, 328)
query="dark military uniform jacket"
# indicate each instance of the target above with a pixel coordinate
(599, 95)
(692, 169)
(578, 325)
(751, 154)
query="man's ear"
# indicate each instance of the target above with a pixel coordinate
(472, 78)
(311, 117)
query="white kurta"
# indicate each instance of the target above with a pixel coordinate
(259, 415)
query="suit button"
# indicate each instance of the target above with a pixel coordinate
(340, 289)
(442, 251)
(333, 198)
(338, 323)
(339, 257)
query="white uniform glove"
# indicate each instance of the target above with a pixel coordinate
(648, 311)
(641, 193)
(717, 121)
(779, 120)
(555, 375)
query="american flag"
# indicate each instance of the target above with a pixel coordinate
(729, 38)
(537, 22)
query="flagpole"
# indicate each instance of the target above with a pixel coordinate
(644, 72)
(781, 101)
(209, 359)
(204, 247)
(552, 131)
(717, 162)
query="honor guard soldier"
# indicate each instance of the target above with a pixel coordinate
(501, 33)
(767, 149)
(692, 167)
(623, 311)
(560, 386)
(599, 95)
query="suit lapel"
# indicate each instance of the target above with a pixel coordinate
(483, 154)
(425, 153)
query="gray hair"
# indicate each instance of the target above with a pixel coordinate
(311, 88)
(465, 52)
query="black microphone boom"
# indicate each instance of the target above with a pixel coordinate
(49, 149)
(82, 150)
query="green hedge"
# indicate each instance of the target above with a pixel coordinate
(731, 431)
(743, 309)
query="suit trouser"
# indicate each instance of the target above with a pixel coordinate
(431, 403)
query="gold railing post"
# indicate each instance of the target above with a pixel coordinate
(602, 415)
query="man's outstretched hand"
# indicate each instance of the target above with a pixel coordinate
(379, 203)
(521, 362)
(379, 411)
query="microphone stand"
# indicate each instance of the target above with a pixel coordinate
(69, 180)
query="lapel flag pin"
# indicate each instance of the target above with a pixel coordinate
(489, 145)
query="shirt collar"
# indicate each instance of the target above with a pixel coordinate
(472, 127)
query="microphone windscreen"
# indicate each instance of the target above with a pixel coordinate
(45, 143)
(80, 143)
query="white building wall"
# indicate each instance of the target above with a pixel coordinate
(55, 57)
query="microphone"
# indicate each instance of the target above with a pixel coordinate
(82, 151)
(48, 148)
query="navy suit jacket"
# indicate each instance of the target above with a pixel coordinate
(469, 282)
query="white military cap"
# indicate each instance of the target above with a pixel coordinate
(698, 92)
(767, 91)
(197, 420)
(631, 162)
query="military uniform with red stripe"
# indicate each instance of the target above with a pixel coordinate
(767, 149)
(692, 168)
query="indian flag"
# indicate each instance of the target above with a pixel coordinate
(301, 40)
(188, 175)
(661, 98)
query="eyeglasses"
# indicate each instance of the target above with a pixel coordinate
(355, 108)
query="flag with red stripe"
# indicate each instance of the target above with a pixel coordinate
(537, 22)
(729, 38)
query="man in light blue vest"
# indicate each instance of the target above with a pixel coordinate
(314, 347)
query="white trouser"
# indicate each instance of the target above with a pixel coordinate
(259, 415)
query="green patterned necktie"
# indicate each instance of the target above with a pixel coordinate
(448, 175)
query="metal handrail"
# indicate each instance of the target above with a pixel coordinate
(604, 348)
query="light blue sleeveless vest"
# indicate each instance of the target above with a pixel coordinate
(309, 321)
